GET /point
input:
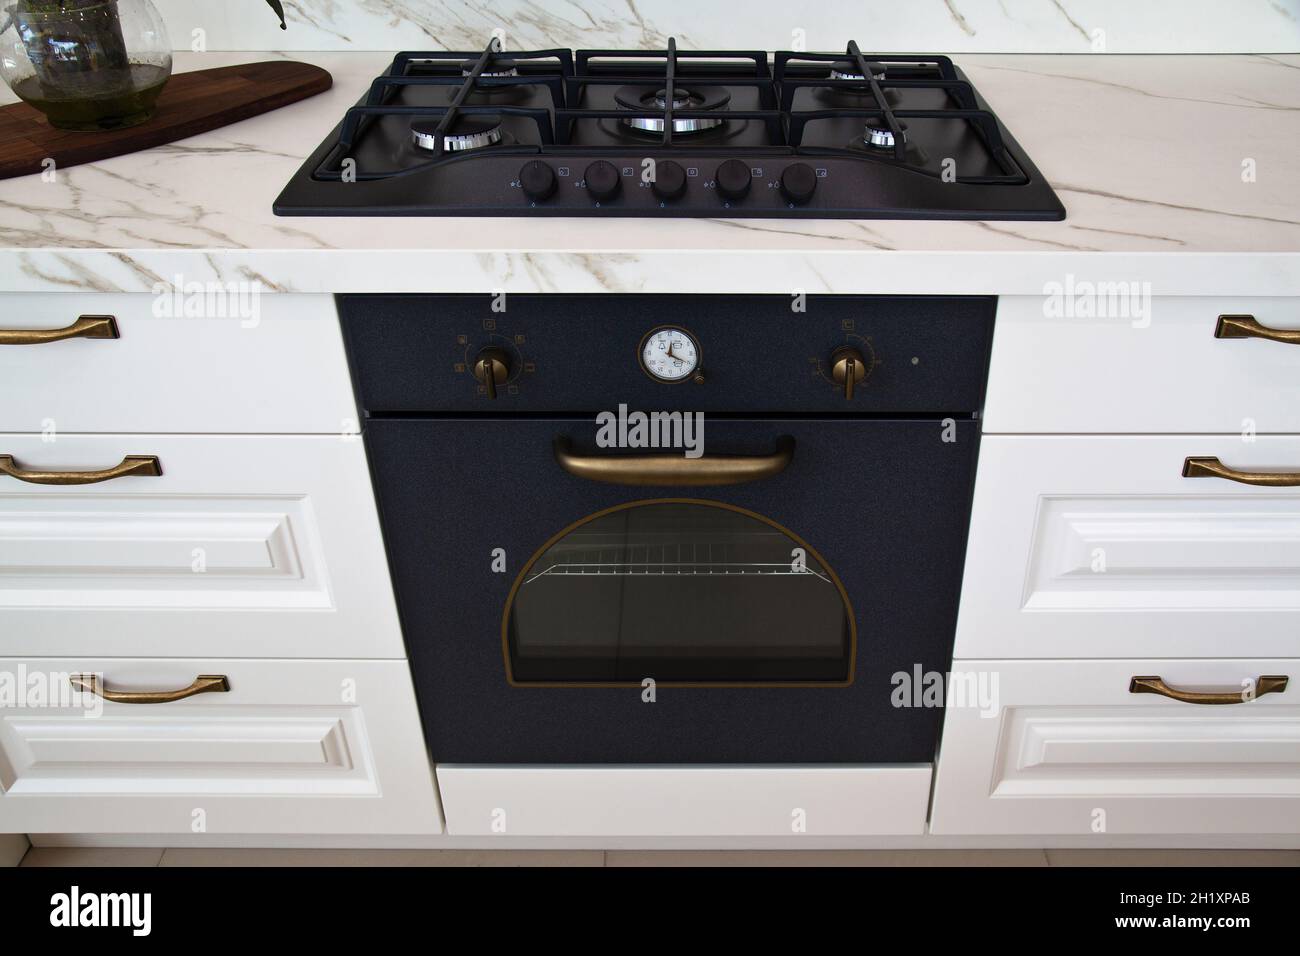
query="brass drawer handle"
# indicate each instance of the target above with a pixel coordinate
(1246, 327)
(86, 327)
(141, 465)
(677, 470)
(1213, 468)
(1155, 685)
(204, 684)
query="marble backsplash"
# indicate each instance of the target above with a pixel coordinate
(953, 26)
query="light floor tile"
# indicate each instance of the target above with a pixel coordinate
(826, 858)
(1104, 857)
(194, 856)
(92, 856)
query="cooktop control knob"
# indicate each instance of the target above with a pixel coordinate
(669, 181)
(602, 180)
(538, 180)
(848, 367)
(734, 179)
(798, 183)
(492, 368)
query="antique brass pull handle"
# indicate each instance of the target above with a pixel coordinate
(204, 684)
(1213, 468)
(1246, 327)
(86, 327)
(142, 465)
(675, 469)
(1155, 685)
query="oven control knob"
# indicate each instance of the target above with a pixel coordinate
(492, 368)
(733, 179)
(538, 180)
(847, 368)
(669, 181)
(602, 180)
(798, 183)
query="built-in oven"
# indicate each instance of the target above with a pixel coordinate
(674, 529)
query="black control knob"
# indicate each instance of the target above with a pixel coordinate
(798, 183)
(602, 180)
(669, 181)
(733, 179)
(492, 369)
(538, 180)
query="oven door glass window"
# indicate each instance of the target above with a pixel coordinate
(679, 591)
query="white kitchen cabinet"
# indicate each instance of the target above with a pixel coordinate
(1166, 372)
(290, 747)
(243, 546)
(1097, 546)
(707, 801)
(280, 369)
(1070, 750)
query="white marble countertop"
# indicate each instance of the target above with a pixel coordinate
(1146, 153)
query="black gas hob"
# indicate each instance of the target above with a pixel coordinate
(718, 134)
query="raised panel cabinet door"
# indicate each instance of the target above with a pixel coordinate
(270, 363)
(1092, 546)
(1112, 358)
(1069, 748)
(273, 747)
(231, 545)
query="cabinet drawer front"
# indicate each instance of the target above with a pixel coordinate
(281, 370)
(248, 546)
(1164, 372)
(1099, 547)
(289, 747)
(684, 801)
(1067, 748)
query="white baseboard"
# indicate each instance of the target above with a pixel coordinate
(13, 846)
(1101, 841)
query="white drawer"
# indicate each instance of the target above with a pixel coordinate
(1104, 375)
(285, 371)
(291, 747)
(244, 546)
(1069, 750)
(684, 801)
(1099, 547)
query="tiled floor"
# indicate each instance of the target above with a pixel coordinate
(73, 856)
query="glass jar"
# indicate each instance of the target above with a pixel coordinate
(86, 64)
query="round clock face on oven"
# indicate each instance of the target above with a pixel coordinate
(669, 354)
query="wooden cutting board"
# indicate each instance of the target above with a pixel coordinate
(190, 103)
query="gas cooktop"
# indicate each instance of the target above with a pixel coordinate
(719, 134)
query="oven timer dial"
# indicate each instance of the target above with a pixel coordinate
(671, 354)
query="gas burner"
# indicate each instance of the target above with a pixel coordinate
(499, 66)
(880, 136)
(465, 133)
(648, 98)
(848, 70)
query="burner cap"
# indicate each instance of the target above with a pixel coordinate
(879, 135)
(649, 98)
(848, 70)
(466, 132)
(497, 66)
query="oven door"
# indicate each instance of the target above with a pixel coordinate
(788, 597)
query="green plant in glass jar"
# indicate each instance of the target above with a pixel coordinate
(88, 64)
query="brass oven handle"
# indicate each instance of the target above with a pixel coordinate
(141, 465)
(1246, 327)
(1213, 468)
(677, 469)
(203, 684)
(1154, 685)
(86, 327)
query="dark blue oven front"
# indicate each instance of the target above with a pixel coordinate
(754, 559)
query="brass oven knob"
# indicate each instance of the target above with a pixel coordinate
(492, 368)
(848, 367)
